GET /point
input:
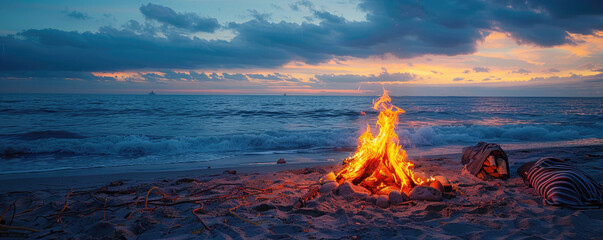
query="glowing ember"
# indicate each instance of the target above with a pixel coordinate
(380, 164)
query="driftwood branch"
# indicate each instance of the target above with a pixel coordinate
(65, 206)
(307, 197)
(199, 217)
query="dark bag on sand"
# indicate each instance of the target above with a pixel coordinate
(475, 162)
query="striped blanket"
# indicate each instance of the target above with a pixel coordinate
(562, 184)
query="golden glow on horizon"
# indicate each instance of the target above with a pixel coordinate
(506, 62)
(589, 44)
(275, 91)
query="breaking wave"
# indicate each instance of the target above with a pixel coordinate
(445, 135)
(136, 145)
(48, 142)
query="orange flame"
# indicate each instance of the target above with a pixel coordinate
(380, 164)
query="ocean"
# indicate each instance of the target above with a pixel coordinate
(48, 132)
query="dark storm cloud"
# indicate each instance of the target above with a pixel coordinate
(118, 49)
(547, 23)
(188, 21)
(74, 75)
(566, 8)
(404, 29)
(152, 77)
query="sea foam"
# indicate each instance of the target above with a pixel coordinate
(137, 145)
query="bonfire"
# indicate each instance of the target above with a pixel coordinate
(380, 163)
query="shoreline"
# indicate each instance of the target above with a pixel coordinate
(90, 176)
(261, 159)
(66, 179)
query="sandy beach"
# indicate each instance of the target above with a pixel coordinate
(301, 119)
(259, 203)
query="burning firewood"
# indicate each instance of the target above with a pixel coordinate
(380, 164)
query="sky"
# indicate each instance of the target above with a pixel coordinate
(345, 47)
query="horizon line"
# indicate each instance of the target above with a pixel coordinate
(288, 95)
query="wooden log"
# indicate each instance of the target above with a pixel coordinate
(368, 170)
(307, 197)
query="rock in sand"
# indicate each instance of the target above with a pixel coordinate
(372, 199)
(396, 197)
(382, 201)
(349, 190)
(425, 193)
(116, 183)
